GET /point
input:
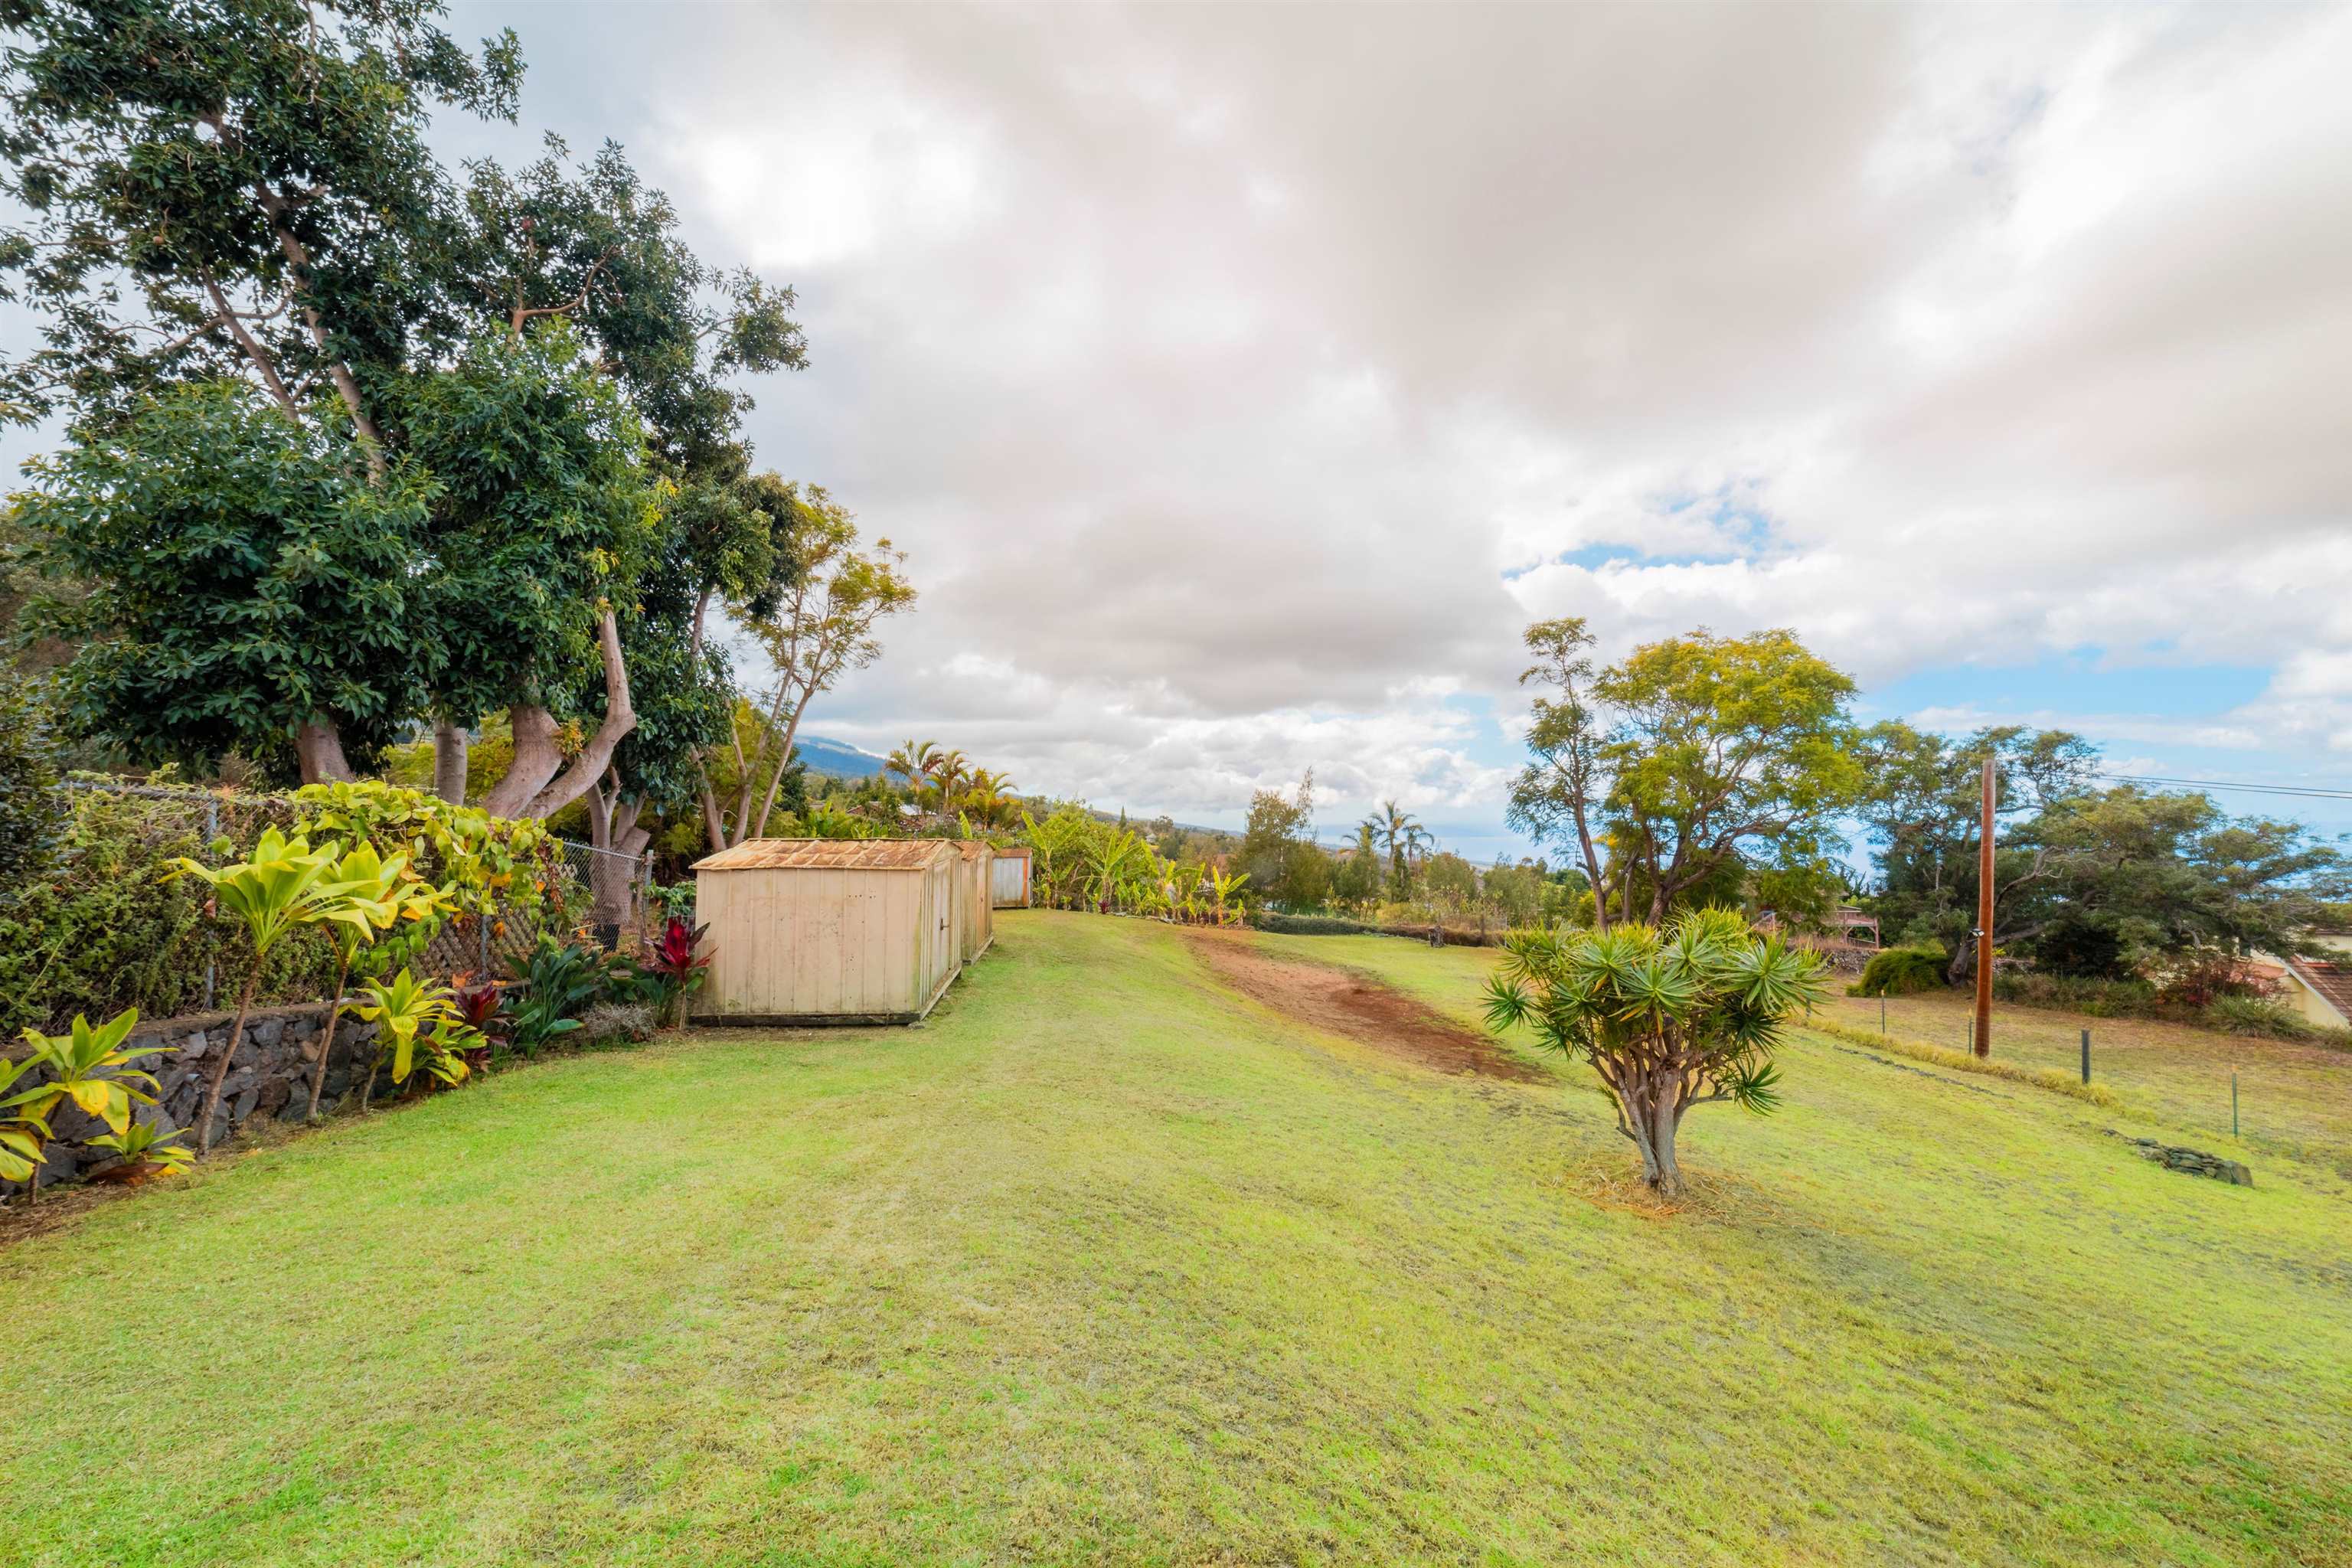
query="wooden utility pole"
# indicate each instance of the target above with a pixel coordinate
(1984, 922)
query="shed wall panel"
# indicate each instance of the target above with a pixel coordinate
(830, 934)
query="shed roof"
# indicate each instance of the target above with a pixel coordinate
(972, 849)
(828, 855)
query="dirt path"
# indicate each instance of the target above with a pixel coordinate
(1348, 1004)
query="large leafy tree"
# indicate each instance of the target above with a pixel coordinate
(1693, 760)
(543, 519)
(1923, 805)
(241, 190)
(1278, 852)
(237, 190)
(236, 566)
(2087, 880)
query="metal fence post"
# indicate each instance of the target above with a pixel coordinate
(2086, 1055)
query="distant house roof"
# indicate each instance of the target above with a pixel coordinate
(828, 855)
(2333, 982)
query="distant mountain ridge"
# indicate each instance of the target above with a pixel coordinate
(840, 760)
(835, 759)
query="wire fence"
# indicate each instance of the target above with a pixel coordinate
(106, 931)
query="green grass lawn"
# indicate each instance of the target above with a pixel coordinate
(2294, 1101)
(1108, 1263)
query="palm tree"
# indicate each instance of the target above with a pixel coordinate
(988, 797)
(1406, 838)
(952, 773)
(911, 762)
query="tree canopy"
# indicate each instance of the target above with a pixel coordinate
(420, 446)
(1693, 762)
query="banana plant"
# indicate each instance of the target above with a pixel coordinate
(284, 885)
(1114, 863)
(408, 1013)
(1224, 886)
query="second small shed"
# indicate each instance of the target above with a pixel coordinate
(1009, 876)
(828, 930)
(974, 903)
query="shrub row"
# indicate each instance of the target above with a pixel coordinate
(1308, 925)
(1961, 1062)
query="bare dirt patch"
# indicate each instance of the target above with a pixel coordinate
(1348, 1004)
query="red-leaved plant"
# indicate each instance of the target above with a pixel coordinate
(678, 967)
(477, 1007)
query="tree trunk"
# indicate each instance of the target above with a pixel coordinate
(1648, 1114)
(526, 791)
(1964, 961)
(714, 820)
(327, 1041)
(613, 826)
(1667, 1178)
(449, 746)
(784, 760)
(319, 747)
(220, 1068)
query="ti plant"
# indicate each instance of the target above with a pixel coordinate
(409, 1015)
(1669, 1019)
(286, 884)
(146, 1154)
(475, 1008)
(88, 1066)
(384, 894)
(676, 968)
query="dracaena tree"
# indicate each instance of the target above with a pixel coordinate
(284, 886)
(1668, 1019)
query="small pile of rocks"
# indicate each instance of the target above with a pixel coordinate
(2190, 1161)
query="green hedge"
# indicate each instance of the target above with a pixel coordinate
(1310, 925)
(1902, 971)
(98, 930)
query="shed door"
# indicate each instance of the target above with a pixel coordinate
(947, 943)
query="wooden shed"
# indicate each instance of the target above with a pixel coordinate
(828, 930)
(974, 904)
(1010, 879)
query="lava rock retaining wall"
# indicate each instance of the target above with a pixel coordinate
(268, 1077)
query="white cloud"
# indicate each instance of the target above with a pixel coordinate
(1216, 365)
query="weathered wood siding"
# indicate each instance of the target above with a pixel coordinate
(975, 901)
(817, 942)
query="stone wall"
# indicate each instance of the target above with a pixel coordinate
(269, 1076)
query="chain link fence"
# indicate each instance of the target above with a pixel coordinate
(104, 930)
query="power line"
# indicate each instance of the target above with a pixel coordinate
(2306, 792)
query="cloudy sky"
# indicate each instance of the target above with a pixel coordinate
(1241, 381)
